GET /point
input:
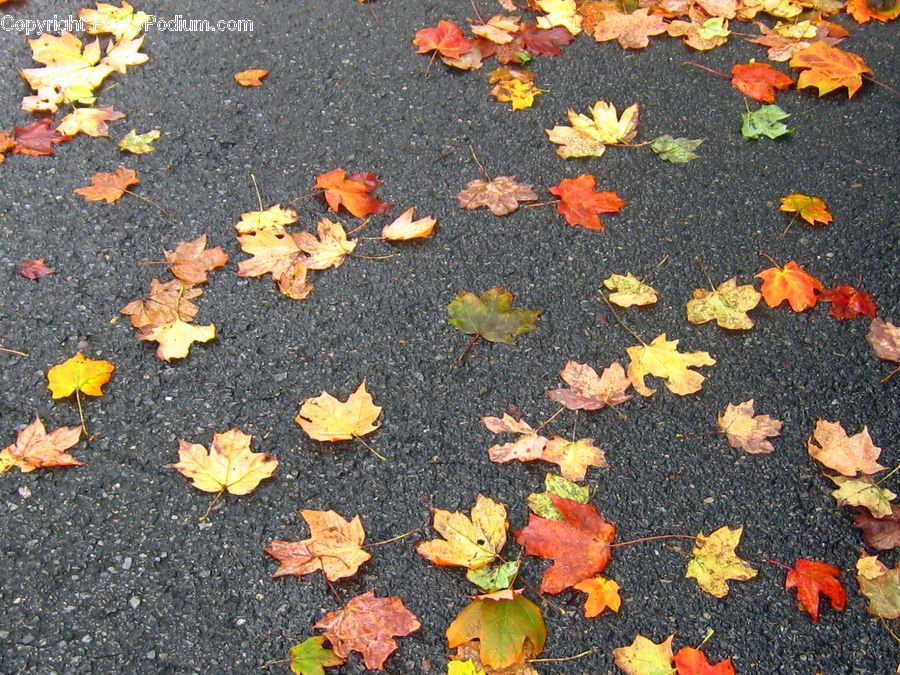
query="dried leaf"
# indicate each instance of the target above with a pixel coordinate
(351, 192)
(811, 578)
(191, 261)
(90, 121)
(629, 290)
(644, 657)
(580, 205)
(863, 492)
(334, 547)
(36, 449)
(791, 283)
(882, 533)
(109, 187)
(632, 31)
(602, 594)
(880, 585)
(759, 81)
(229, 465)
(405, 228)
(727, 305)
(828, 68)
(848, 455)
(589, 136)
(34, 269)
(714, 561)
(501, 195)
(589, 391)
(812, 209)
(37, 139)
(251, 78)
(491, 316)
(848, 303)
(467, 542)
(747, 432)
(661, 358)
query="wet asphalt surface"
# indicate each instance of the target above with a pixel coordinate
(106, 569)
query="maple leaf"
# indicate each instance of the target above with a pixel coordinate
(109, 187)
(353, 192)
(367, 625)
(703, 36)
(589, 136)
(166, 303)
(334, 547)
(79, 374)
(36, 449)
(882, 533)
(602, 594)
(863, 492)
(527, 447)
(578, 545)
(786, 9)
(747, 432)
(139, 144)
(629, 290)
(498, 29)
(191, 261)
(71, 74)
(559, 13)
(728, 305)
(579, 204)
(690, 661)
(542, 505)
(37, 139)
(467, 542)
(491, 316)
(329, 250)
(884, 338)
(89, 121)
(405, 228)
(445, 39)
(121, 22)
(501, 195)
(470, 61)
(124, 53)
(828, 68)
(573, 457)
(714, 561)
(790, 283)
(544, 41)
(508, 629)
(325, 418)
(812, 209)
(175, 338)
(632, 31)
(645, 657)
(811, 578)
(274, 219)
(661, 358)
(466, 667)
(309, 657)
(229, 465)
(759, 81)
(848, 455)
(34, 269)
(848, 302)
(880, 585)
(514, 86)
(7, 143)
(251, 78)
(494, 578)
(589, 391)
(675, 150)
(280, 254)
(766, 121)
(862, 12)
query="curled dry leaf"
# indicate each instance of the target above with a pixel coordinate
(36, 449)
(747, 432)
(34, 269)
(501, 195)
(527, 447)
(229, 465)
(405, 228)
(251, 78)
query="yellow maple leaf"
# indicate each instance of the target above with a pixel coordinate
(629, 290)
(405, 228)
(662, 359)
(559, 13)
(273, 218)
(645, 656)
(325, 418)
(229, 465)
(589, 136)
(79, 374)
(90, 121)
(120, 22)
(714, 561)
(573, 457)
(727, 305)
(330, 249)
(521, 93)
(468, 542)
(176, 337)
(71, 74)
(124, 53)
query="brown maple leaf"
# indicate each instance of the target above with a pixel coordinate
(632, 31)
(38, 139)
(34, 269)
(191, 261)
(589, 391)
(368, 625)
(884, 337)
(109, 187)
(881, 534)
(526, 448)
(166, 303)
(501, 195)
(36, 449)
(746, 432)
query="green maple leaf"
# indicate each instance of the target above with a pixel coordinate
(491, 578)
(765, 122)
(675, 150)
(542, 505)
(309, 657)
(491, 316)
(139, 144)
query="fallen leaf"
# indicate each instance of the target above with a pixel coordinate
(661, 358)
(629, 290)
(542, 505)
(139, 144)
(191, 261)
(501, 195)
(175, 338)
(714, 561)
(573, 457)
(367, 625)
(882, 533)
(863, 492)
(334, 547)
(765, 121)
(862, 12)
(589, 136)
(124, 53)
(526, 448)
(467, 542)
(791, 283)
(602, 594)
(579, 204)
(558, 13)
(544, 41)
(498, 29)
(514, 86)
(273, 219)
(37, 139)
(848, 455)
(727, 305)
(701, 36)
(120, 22)
(491, 316)
(578, 545)
(109, 187)
(329, 250)
(166, 303)
(645, 657)
(759, 81)
(251, 78)
(473, 60)
(690, 661)
(89, 121)
(79, 374)
(405, 228)
(812, 209)
(589, 391)
(675, 150)
(828, 68)
(747, 432)
(309, 657)
(811, 578)
(34, 269)
(36, 449)
(630, 30)
(280, 254)
(466, 667)
(73, 71)
(884, 337)
(446, 39)
(880, 585)
(848, 303)
(495, 577)
(325, 418)
(229, 465)
(353, 192)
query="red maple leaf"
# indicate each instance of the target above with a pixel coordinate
(37, 139)
(578, 545)
(351, 192)
(544, 42)
(848, 302)
(580, 205)
(690, 661)
(759, 81)
(446, 39)
(811, 578)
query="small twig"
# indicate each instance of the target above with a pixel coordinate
(882, 84)
(706, 68)
(13, 351)
(209, 509)
(314, 193)
(620, 322)
(371, 449)
(793, 218)
(888, 629)
(574, 425)
(480, 165)
(537, 204)
(654, 538)
(778, 564)
(561, 658)
(770, 259)
(431, 61)
(550, 419)
(359, 228)
(705, 273)
(167, 214)
(890, 375)
(709, 633)
(276, 662)
(477, 13)
(472, 342)
(258, 195)
(632, 145)
(334, 591)
(653, 271)
(393, 539)
(374, 257)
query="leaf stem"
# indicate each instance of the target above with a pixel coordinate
(81, 413)
(562, 658)
(653, 271)
(778, 564)
(393, 539)
(793, 218)
(13, 351)
(654, 538)
(361, 227)
(890, 375)
(709, 633)
(472, 343)
(167, 214)
(209, 509)
(537, 204)
(550, 419)
(705, 273)
(770, 259)
(371, 449)
(706, 68)
(889, 474)
(315, 192)
(258, 195)
(478, 162)
(882, 84)
(619, 321)
(374, 257)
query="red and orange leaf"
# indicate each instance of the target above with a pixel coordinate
(790, 283)
(446, 38)
(36, 449)
(863, 13)
(690, 661)
(848, 302)
(367, 625)
(811, 578)
(191, 261)
(578, 545)
(812, 209)
(109, 187)
(579, 204)
(37, 139)
(544, 41)
(602, 594)
(34, 269)
(351, 192)
(828, 68)
(759, 81)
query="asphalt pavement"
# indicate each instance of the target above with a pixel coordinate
(106, 568)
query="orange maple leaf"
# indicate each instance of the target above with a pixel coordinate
(690, 661)
(863, 13)
(632, 30)
(790, 283)
(109, 187)
(812, 209)
(351, 192)
(251, 78)
(580, 205)
(446, 39)
(602, 594)
(828, 68)
(36, 449)
(759, 81)
(191, 261)
(810, 578)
